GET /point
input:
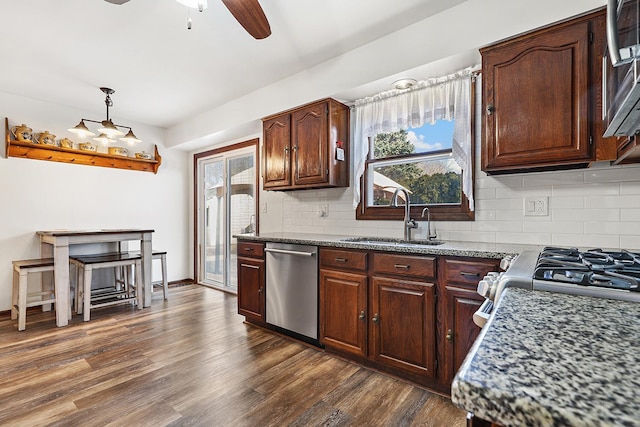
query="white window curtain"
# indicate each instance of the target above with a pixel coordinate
(445, 98)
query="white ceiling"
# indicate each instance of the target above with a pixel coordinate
(212, 83)
(62, 51)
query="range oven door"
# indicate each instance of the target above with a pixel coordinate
(621, 69)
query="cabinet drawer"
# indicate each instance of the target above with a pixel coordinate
(468, 271)
(405, 265)
(251, 249)
(343, 259)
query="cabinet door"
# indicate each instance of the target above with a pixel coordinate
(251, 299)
(309, 143)
(343, 314)
(276, 140)
(536, 98)
(460, 331)
(403, 325)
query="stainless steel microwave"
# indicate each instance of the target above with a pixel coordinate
(621, 69)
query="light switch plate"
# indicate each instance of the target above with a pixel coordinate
(536, 206)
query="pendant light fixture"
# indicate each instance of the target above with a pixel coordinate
(201, 5)
(108, 130)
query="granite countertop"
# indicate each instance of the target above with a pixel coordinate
(551, 359)
(448, 248)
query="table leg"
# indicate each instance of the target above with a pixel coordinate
(46, 251)
(147, 258)
(61, 274)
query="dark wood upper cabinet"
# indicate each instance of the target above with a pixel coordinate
(301, 147)
(277, 171)
(542, 98)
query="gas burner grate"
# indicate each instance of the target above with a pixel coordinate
(595, 267)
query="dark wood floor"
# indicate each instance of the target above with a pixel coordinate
(192, 361)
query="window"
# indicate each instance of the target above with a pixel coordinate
(419, 159)
(421, 139)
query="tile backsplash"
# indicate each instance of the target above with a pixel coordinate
(595, 207)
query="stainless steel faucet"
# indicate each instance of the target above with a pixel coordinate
(408, 222)
(429, 235)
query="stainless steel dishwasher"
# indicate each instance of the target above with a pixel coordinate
(292, 288)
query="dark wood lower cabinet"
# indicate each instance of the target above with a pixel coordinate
(403, 328)
(343, 305)
(473, 421)
(458, 300)
(460, 332)
(408, 315)
(251, 289)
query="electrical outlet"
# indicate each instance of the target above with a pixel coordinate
(536, 206)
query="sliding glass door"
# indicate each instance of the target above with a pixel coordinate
(227, 190)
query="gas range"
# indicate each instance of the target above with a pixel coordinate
(597, 273)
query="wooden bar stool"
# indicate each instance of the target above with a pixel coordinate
(162, 256)
(20, 298)
(111, 295)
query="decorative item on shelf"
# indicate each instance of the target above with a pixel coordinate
(66, 143)
(144, 155)
(44, 138)
(108, 130)
(118, 151)
(68, 151)
(22, 133)
(87, 146)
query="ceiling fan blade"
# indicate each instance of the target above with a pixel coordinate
(251, 16)
(117, 1)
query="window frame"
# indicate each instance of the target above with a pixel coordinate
(448, 212)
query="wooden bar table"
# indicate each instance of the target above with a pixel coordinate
(55, 244)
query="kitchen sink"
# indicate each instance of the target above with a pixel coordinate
(391, 242)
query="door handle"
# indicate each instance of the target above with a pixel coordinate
(362, 315)
(255, 267)
(287, 252)
(375, 318)
(463, 273)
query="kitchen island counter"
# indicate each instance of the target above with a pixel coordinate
(448, 248)
(552, 359)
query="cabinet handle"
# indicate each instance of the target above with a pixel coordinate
(406, 267)
(376, 318)
(490, 109)
(463, 273)
(248, 249)
(286, 151)
(341, 260)
(362, 315)
(449, 335)
(255, 267)
(260, 289)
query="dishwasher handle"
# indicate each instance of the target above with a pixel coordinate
(284, 251)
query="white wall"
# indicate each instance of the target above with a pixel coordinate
(40, 195)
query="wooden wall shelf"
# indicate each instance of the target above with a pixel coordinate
(53, 153)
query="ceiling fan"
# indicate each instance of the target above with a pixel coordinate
(247, 12)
